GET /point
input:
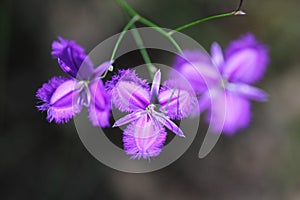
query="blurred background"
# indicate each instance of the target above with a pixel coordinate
(48, 161)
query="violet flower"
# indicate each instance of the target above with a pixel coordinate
(144, 137)
(227, 77)
(63, 97)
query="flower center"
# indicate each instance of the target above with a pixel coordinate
(150, 108)
(84, 93)
(223, 83)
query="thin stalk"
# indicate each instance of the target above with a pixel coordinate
(200, 21)
(124, 5)
(126, 28)
(137, 37)
(238, 11)
(162, 31)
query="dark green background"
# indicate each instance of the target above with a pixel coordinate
(39, 160)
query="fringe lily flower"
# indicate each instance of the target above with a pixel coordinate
(227, 77)
(145, 135)
(63, 97)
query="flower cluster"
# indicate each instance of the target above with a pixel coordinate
(151, 108)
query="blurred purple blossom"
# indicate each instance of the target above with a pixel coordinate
(144, 137)
(63, 97)
(227, 77)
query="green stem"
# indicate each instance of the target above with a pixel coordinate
(162, 31)
(137, 37)
(126, 28)
(204, 20)
(124, 5)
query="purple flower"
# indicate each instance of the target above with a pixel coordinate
(145, 136)
(227, 77)
(63, 97)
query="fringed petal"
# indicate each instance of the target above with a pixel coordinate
(143, 138)
(129, 93)
(57, 98)
(177, 103)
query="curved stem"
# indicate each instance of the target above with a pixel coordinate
(127, 27)
(160, 30)
(238, 11)
(201, 21)
(124, 5)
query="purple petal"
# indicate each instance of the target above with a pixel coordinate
(164, 120)
(99, 71)
(57, 98)
(144, 139)
(71, 57)
(248, 91)
(128, 92)
(177, 103)
(198, 69)
(155, 85)
(246, 60)
(190, 56)
(217, 55)
(204, 102)
(100, 106)
(129, 118)
(232, 115)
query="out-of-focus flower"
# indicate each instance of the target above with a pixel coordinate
(227, 77)
(63, 97)
(144, 137)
